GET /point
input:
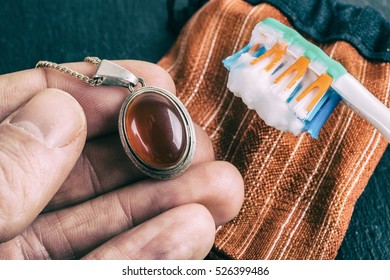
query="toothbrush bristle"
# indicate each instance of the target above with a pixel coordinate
(276, 52)
(280, 66)
(254, 48)
(230, 61)
(322, 84)
(278, 60)
(294, 92)
(314, 125)
(299, 67)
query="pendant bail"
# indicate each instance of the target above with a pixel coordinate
(114, 75)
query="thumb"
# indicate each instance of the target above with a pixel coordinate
(39, 145)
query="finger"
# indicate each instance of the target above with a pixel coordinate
(186, 232)
(104, 166)
(39, 145)
(101, 104)
(78, 229)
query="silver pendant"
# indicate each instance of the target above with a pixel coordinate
(155, 128)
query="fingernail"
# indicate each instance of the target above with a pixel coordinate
(52, 116)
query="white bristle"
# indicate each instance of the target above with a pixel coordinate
(300, 107)
(265, 35)
(317, 67)
(295, 50)
(281, 88)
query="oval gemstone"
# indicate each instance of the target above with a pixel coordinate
(155, 130)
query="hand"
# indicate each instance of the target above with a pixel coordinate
(70, 192)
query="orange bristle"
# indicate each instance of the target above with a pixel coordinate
(254, 48)
(299, 66)
(277, 51)
(323, 83)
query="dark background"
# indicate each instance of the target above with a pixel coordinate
(64, 31)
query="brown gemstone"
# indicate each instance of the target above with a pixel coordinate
(155, 130)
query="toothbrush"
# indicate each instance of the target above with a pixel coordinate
(294, 86)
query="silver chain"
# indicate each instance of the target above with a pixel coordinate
(91, 81)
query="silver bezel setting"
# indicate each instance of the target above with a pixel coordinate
(184, 162)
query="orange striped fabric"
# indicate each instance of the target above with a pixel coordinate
(299, 192)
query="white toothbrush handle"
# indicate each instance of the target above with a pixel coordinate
(359, 99)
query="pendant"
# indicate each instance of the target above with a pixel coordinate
(155, 128)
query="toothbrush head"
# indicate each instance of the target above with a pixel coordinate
(279, 65)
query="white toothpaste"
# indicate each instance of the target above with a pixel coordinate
(256, 88)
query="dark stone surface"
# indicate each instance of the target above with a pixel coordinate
(65, 31)
(62, 31)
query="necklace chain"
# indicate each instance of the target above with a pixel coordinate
(96, 81)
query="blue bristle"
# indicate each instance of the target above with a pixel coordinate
(278, 68)
(314, 125)
(230, 60)
(259, 52)
(295, 91)
(314, 111)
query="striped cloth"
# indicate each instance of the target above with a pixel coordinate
(299, 192)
